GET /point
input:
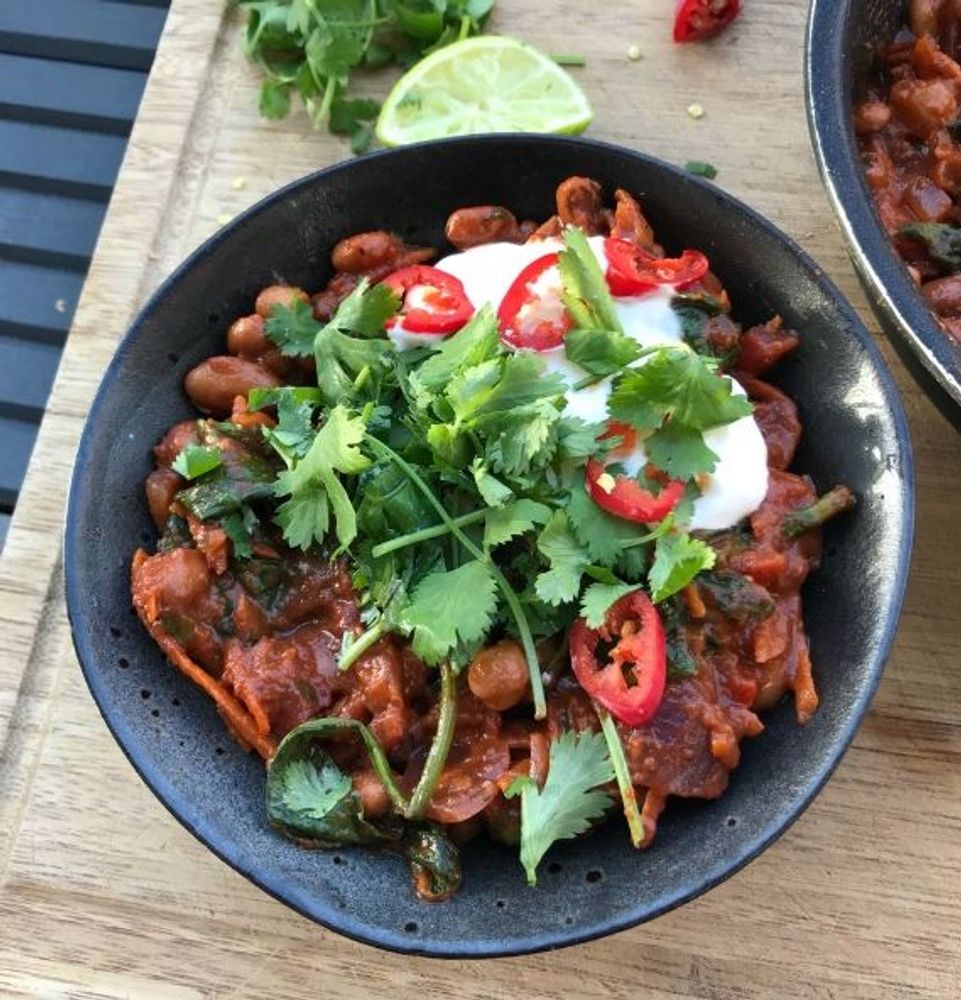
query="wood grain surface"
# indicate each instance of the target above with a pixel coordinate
(103, 894)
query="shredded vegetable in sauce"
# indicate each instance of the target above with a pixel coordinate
(494, 545)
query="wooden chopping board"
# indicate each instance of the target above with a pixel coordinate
(103, 894)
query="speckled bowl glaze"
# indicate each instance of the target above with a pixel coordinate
(843, 36)
(854, 433)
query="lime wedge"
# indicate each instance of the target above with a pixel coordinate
(485, 84)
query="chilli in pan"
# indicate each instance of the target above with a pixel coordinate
(491, 545)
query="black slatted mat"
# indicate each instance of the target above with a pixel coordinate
(72, 73)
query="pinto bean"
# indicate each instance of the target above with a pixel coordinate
(278, 295)
(246, 337)
(161, 487)
(366, 251)
(480, 224)
(214, 383)
(498, 675)
(373, 795)
(579, 204)
(944, 296)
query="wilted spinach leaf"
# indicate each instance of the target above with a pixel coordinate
(942, 241)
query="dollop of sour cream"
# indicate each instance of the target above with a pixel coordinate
(739, 482)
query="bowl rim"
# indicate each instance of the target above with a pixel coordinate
(275, 883)
(892, 292)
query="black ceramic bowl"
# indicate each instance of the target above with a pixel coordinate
(855, 433)
(843, 36)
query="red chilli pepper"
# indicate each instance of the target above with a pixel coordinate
(697, 20)
(623, 496)
(528, 319)
(432, 301)
(633, 271)
(631, 684)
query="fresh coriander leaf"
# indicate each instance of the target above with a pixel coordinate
(503, 385)
(493, 492)
(568, 558)
(261, 398)
(313, 791)
(678, 558)
(601, 352)
(293, 328)
(631, 402)
(334, 447)
(306, 84)
(586, 295)
(390, 505)
(450, 447)
(571, 799)
(313, 487)
(267, 29)
(347, 114)
(470, 387)
(599, 597)
(701, 169)
(943, 243)
(577, 439)
(366, 310)
(516, 518)
(294, 431)
(474, 343)
(195, 459)
(378, 56)
(274, 100)
(601, 574)
(681, 384)
(684, 511)
(361, 138)
(680, 451)
(304, 518)
(602, 535)
(450, 608)
(338, 44)
(421, 19)
(522, 439)
(341, 360)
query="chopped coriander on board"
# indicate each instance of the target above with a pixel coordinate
(310, 48)
(700, 168)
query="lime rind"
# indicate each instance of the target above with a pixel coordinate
(489, 83)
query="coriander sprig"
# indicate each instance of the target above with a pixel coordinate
(311, 48)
